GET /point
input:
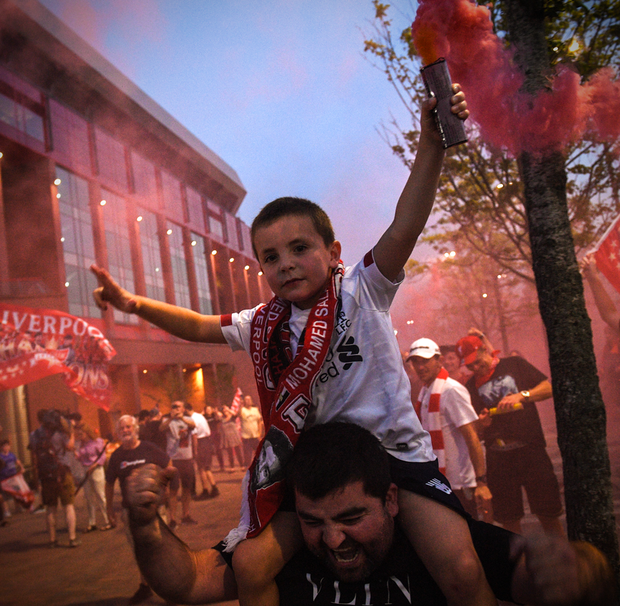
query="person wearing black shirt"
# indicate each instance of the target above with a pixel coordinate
(354, 552)
(503, 393)
(132, 454)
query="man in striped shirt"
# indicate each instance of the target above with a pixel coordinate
(445, 411)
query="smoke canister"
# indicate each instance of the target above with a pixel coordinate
(437, 81)
(497, 411)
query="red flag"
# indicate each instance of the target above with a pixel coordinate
(607, 254)
(236, 406)
(37, 343)
(236, 403)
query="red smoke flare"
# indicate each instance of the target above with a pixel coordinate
(462, 33)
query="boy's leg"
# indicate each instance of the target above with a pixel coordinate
(257, 561)
(442, 539)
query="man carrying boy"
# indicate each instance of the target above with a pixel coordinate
(349, 510)
(324, 349)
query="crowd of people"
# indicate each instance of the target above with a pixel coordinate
(324, 353)
(68, 457)
(353, 493)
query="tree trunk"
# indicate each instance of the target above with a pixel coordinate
(579, 407)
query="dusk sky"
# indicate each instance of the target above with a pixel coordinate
(280, 89)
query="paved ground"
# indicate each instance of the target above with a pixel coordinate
(102, 572)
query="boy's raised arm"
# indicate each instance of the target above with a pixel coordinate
(416, 201)
(178, 321)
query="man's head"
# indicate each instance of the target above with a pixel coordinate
(474, 355)
(177, 409)
(128, 429)
(294, 243)
(188, 408)
(426, 359)
(144, 416)
(248, 402)
(346, 510)
(451, 360)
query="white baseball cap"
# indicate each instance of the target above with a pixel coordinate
(424, 348)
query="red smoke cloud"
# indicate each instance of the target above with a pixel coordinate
(462, 33)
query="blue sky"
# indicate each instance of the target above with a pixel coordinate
(279, 89)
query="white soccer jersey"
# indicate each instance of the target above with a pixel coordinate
(363, 379)
(455, 410)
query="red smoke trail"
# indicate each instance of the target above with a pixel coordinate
(462, 32)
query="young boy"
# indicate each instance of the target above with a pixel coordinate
(348, 367)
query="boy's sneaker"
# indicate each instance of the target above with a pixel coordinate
(188, 520)
(144, 593)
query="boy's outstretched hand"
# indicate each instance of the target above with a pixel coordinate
(459, 108)
(109, 291)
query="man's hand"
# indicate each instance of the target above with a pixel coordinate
(506, 404)
(485, 418)
(588, 268)
(483, 498)
(459, 108)
(110, 291)
(145, 490)
(555, 572)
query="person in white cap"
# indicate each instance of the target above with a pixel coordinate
(445, 411)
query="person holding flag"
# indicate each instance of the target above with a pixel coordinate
(231, 438)
(604, 303)
(606, 258)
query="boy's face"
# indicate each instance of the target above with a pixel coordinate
(295, 260)
(6, 448)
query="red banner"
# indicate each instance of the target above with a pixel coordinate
(36, 343)
(236, 403)
(607, 254)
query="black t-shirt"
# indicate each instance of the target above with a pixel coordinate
(123, 461)
(511, 375)
(401, 580)
(150, 432)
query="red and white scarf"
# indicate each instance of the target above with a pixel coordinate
(285, 384)
(482, 380)
(429, 408)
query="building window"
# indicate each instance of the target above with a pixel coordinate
(144, 181)
(195, 209)
(216, 225)
(173, 201)
(179, 266)
(151, 255)
(77, 243)
(111, 160)
(70, 138)
(21, 118)
(118, 245)
(199, 252)
(231, 231)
